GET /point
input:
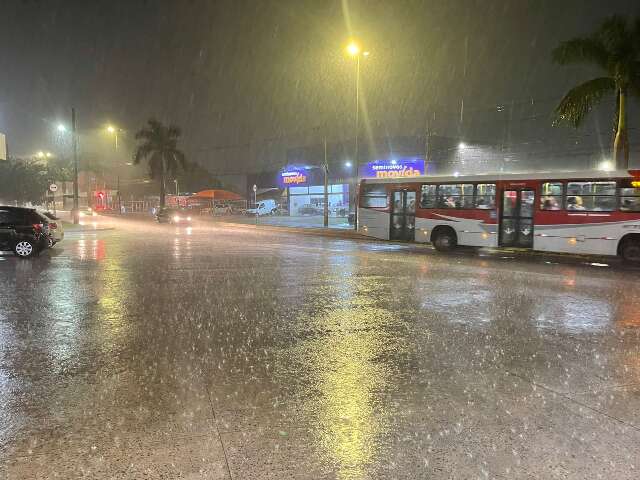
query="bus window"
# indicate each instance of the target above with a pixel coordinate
(591, 196)
(551, 196)
(485, 196)
(630, 199)
(373, 196)
(509, 203)
(455, 196)
(428, 196)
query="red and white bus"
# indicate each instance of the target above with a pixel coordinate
(589, 212)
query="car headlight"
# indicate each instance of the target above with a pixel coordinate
(176, 218)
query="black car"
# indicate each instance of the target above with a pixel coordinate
(23, 230)
(177, 216)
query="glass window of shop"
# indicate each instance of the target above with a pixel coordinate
(305, 201)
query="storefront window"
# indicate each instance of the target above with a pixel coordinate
(308, 201)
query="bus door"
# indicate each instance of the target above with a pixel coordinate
(516, 218)
(403, 215)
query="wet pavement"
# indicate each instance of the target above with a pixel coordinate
(160, 352)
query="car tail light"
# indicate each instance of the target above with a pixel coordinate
(37, 227)
(53, 225)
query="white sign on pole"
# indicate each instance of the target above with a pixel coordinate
(53, 187)
(255, 188)
(3, 147)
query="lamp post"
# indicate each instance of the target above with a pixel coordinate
(114, 131)
(74, 143)
(111, 130)
(354, 51)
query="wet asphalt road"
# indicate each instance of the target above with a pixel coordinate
(157, 352)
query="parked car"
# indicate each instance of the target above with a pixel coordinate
(263, 207)
(56, 232)
(222, 210)
(310, 210)
(176, 216)
(23, 230)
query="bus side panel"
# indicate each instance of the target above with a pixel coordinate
(476, 231)
(374, 223)
(598, 238)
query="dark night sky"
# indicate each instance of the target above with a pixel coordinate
(273, 73)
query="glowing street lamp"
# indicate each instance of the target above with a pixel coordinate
(606, 166)
(111, 130)
(354, 50)
(61, 128)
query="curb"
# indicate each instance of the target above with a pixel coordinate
(329, 232)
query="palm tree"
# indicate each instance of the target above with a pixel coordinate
(615, 48)
(159, 148)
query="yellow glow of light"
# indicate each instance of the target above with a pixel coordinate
(353, 49)
(40, 154)
(111, 129)
(485, 235)
(572, 241)
(635, 183)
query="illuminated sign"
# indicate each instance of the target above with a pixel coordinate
(635, 183)
(293, 177)
(396, 168)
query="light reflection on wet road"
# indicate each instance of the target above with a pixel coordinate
(160, 352)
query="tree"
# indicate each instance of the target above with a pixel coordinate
(159, 148)
(615, 48)
(22, 181)
(195, 177)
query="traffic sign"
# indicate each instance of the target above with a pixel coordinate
(255, 187)
(53, 187)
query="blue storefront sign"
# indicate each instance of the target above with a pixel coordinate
(293, 176)
(394, 168)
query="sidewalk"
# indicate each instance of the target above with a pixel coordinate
(309, 225)
(72, 228)
(339, 228)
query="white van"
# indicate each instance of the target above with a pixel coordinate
(264, 207)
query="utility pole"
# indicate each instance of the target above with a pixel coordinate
(325, 167)
(119, 198)
(357, 159)
(74, 142)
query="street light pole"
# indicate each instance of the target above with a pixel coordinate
(325, 167)
(354, 50)
(74, 142)
(357, 110)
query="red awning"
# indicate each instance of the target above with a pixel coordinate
(218, 195)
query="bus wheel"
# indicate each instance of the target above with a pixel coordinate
(630, 251)
(444, 239)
